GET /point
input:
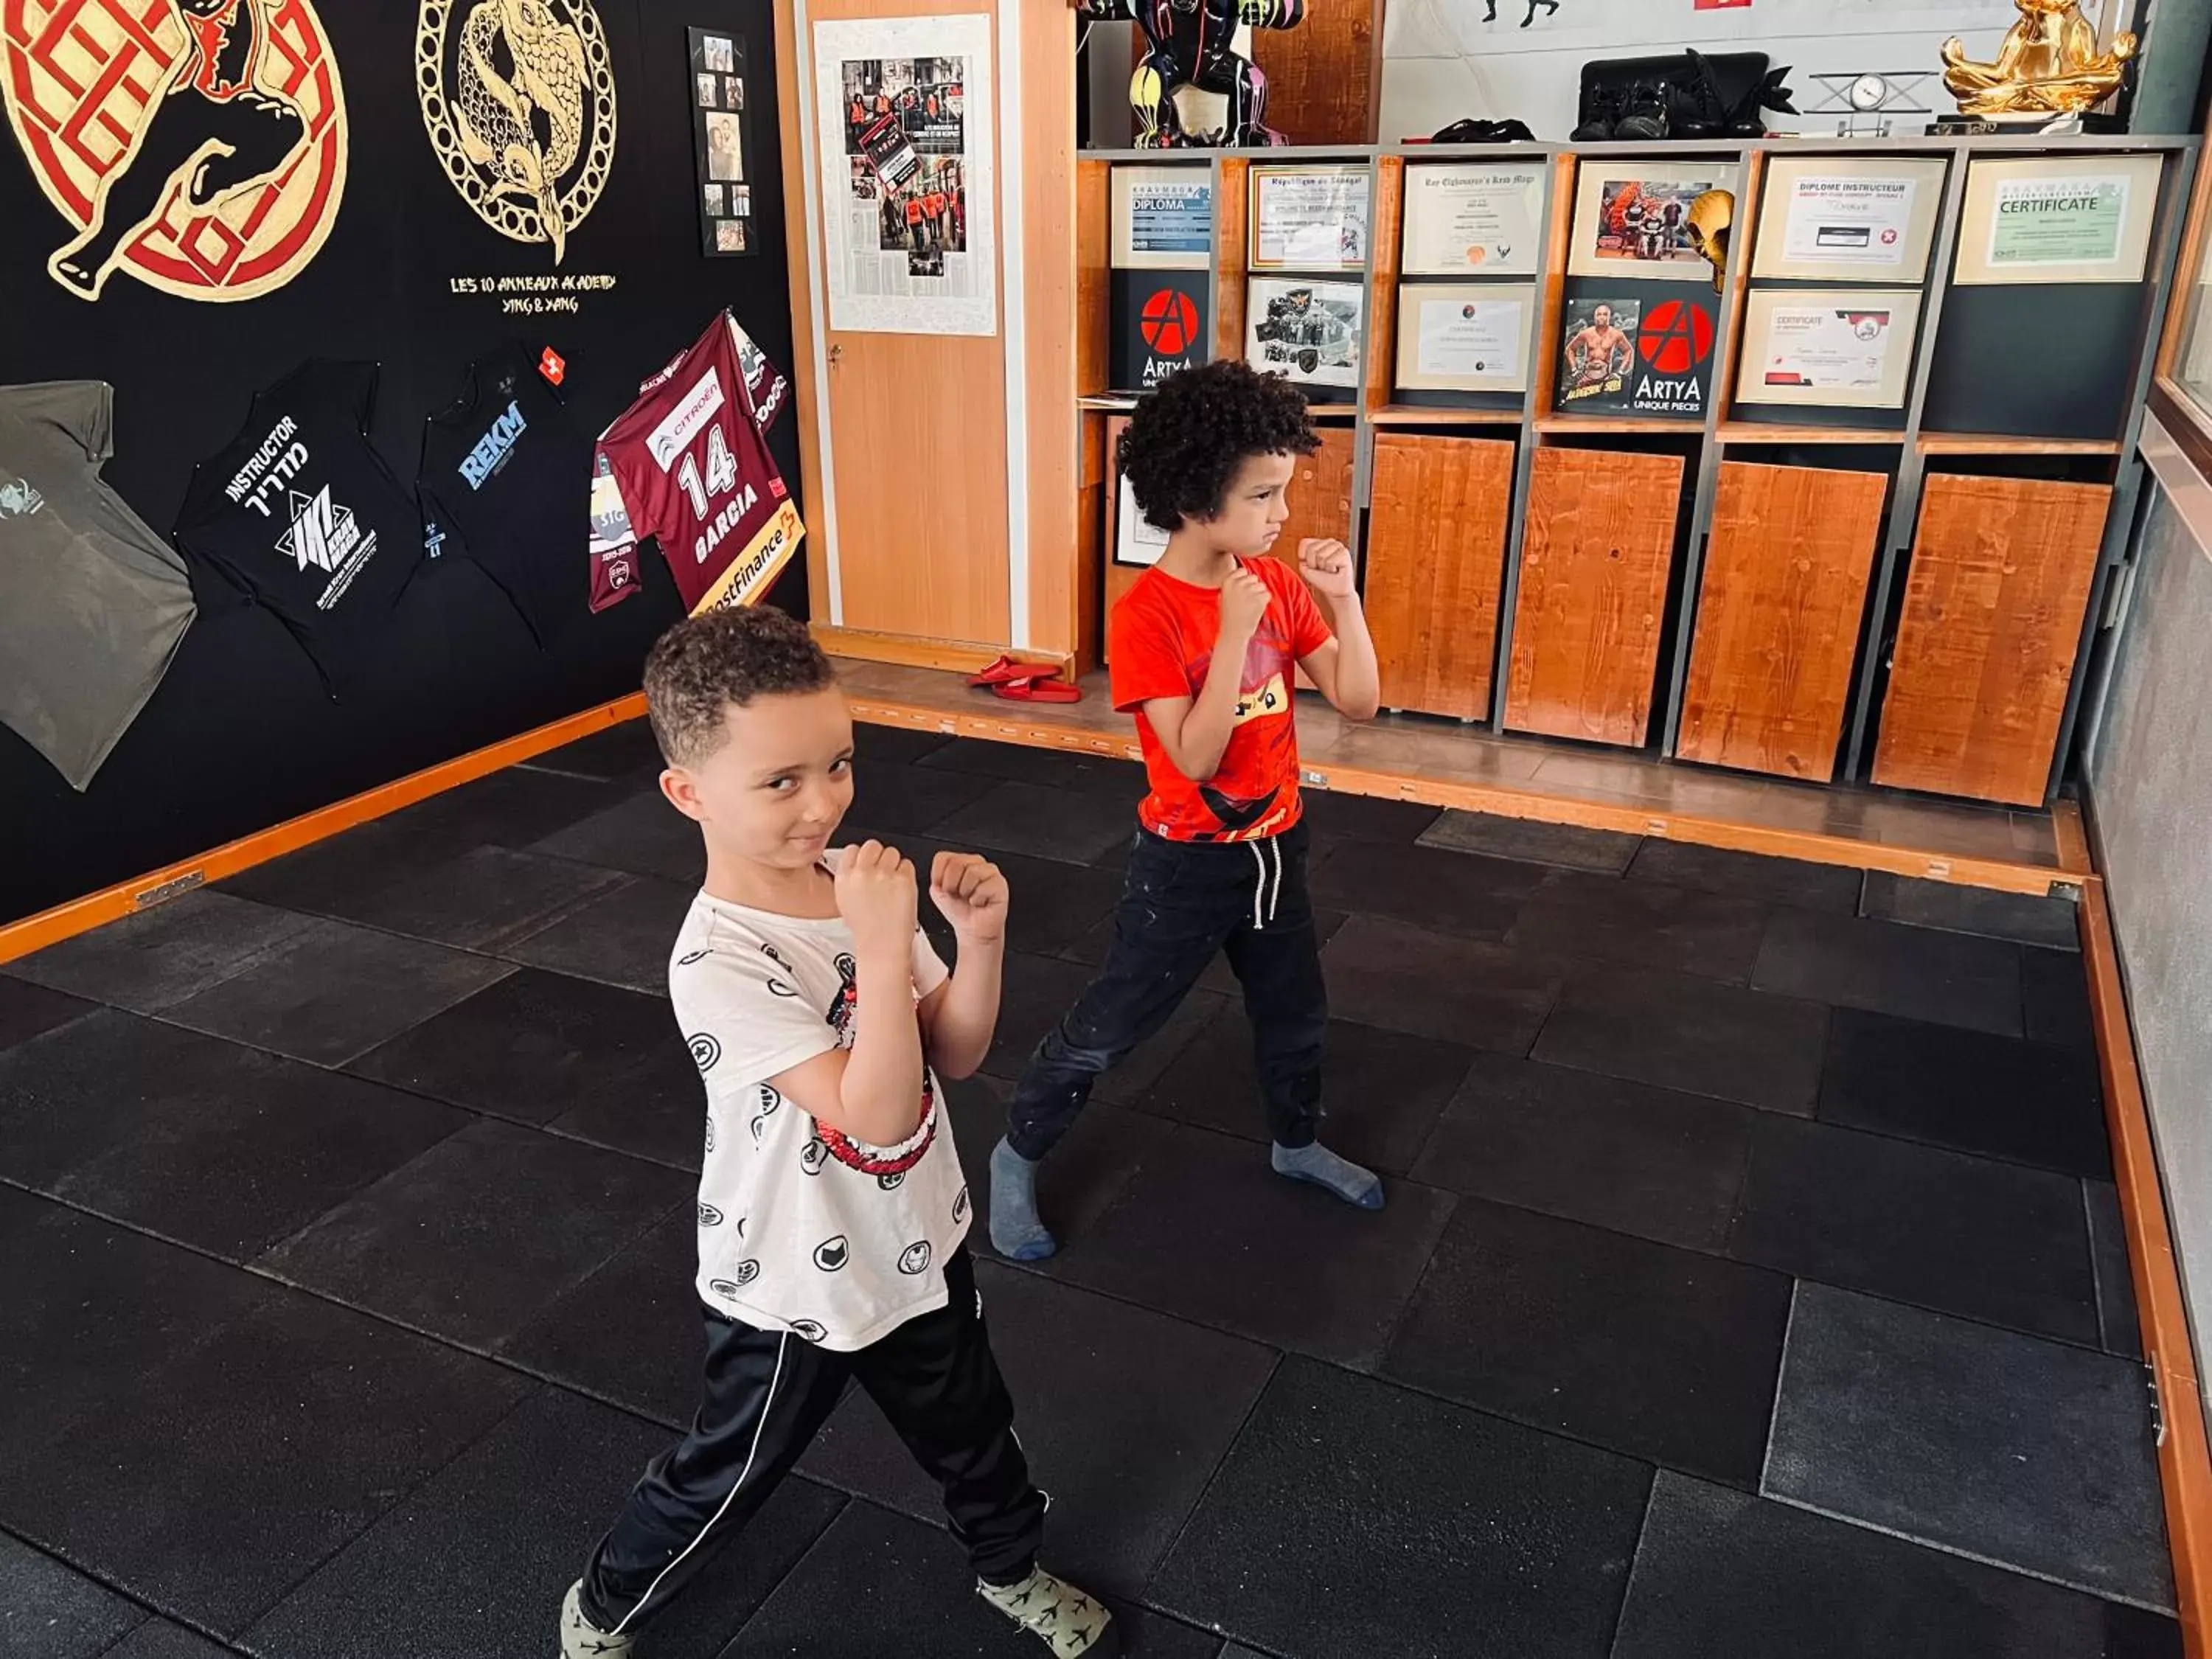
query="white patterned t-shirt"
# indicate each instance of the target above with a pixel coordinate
(801, 1228)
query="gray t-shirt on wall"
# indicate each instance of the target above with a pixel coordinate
(93, 603)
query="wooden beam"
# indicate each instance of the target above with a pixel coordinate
(907, 651)
(2184, 1463)
(994, 722)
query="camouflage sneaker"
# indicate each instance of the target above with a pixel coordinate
(581, 1639)
(1068, 1622)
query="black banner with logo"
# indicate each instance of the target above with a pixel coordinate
(1161, 322)
(348, 215)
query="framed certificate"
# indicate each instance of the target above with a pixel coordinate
(1632, 218)
(1308, 331)
(1834, 348)
(1136, 541)
(1310, 218)
(1470, 220)
(2058, 219)
(1162, 218)
(1465, 337)
(1849, 218)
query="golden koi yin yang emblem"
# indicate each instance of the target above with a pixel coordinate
(518, 98)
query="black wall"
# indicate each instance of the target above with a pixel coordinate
(240, 735)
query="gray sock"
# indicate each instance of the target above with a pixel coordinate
(1323, 1168)
(1015, 1232)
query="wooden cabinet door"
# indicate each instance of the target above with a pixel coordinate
(1993, 603)
(1595, 561)
(1436, 561)
(1320, 503)
(1320, 494)
(1785, 595)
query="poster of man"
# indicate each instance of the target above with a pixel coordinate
(1646, 221)
(1601, 351)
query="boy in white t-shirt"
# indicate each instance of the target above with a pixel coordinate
(832, 1210)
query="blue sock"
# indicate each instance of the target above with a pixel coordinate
(1323, 1168)
(1015, 1232)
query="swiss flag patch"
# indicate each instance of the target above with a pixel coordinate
(553, 367)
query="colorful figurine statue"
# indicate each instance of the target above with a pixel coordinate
(2048, 67)
(1188, 43)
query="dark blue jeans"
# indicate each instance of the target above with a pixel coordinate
(1182, 902)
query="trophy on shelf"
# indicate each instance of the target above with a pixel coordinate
(1191, 43)
(2048, 69)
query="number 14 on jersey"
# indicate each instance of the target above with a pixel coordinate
(721, 471)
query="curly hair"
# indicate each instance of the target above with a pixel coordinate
(702, 665)
(1191, 432)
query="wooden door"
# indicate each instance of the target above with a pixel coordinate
(918, 439)
(1598, 549)
(1784, 598)
(1436, 561)
(1994, 604)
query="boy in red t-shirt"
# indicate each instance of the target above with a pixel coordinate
(1206, 649)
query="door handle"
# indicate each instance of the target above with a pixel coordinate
(836, 353)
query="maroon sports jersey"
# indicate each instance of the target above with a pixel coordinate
(689, 460)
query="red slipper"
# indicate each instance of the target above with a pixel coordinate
(1008, 672)
(1050, 688)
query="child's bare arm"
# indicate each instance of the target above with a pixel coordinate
(1195, 730)
(1345, 668)
(873, 1091)
(959, 1017)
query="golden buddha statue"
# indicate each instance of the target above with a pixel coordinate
(2049, 66)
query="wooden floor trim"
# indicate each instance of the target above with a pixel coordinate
(2184, 1461)
(907, 650)
(35, 932)
(1524, 801)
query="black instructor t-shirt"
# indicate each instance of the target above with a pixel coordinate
(506, 478)
(304, 515)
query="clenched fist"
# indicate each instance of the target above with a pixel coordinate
(1244, 599)
(971, 892)
(1327, 565)
(876, 896)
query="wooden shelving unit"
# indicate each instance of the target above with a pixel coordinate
(1604, 425)
(1423, 414)
(1446, 599)
(1781, 432)
(1992, 443)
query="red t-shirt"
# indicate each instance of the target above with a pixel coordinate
(1162, 644)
